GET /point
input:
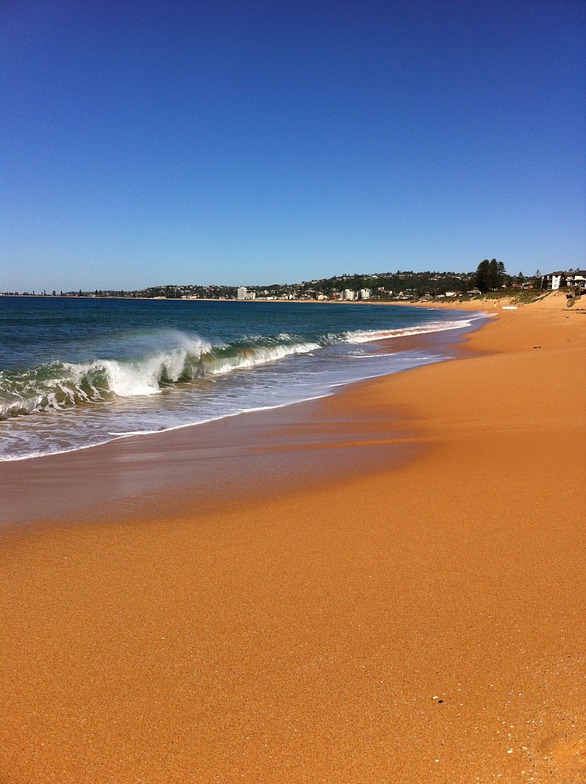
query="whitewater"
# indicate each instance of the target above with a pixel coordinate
(75, 373)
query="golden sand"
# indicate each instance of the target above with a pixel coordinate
(413, 622)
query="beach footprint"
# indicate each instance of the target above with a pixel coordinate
(566, 758)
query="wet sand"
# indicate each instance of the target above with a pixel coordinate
(409, 609)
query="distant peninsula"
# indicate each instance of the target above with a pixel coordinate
(490, 276)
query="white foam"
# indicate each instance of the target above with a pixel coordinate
(368, 336)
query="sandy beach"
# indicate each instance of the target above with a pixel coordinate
(388, 586)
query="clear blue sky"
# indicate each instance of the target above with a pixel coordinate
(261, 141)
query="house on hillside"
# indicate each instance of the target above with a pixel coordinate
(577, 279)
(573, 279)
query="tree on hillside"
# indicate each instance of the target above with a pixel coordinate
(482, 277)
(493, 274)
(490, 275)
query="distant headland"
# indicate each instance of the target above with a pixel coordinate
(489, 278)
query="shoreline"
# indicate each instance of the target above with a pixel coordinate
(244, 436)
(406, 621)
(84, 425)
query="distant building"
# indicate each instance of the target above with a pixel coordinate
(551, 281)
(348, 295)
(243, 293)
(365, 293)
(577, 278)
(574, 278)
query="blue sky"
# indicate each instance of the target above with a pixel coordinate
(267, 141)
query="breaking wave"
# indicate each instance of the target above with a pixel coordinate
(366, 336)
(60, 385)
(166, 360)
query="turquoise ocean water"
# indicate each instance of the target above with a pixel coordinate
(79, 372)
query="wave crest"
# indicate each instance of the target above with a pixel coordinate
(366, 336)
(61, 385)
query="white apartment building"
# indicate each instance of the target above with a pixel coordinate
(574, 279)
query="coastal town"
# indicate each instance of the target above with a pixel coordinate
(382, 287)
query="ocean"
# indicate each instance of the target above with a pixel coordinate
(78, 372)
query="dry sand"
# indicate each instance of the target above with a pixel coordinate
(412, 621)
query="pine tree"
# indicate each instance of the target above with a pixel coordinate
(482, 277)
(493, 274)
